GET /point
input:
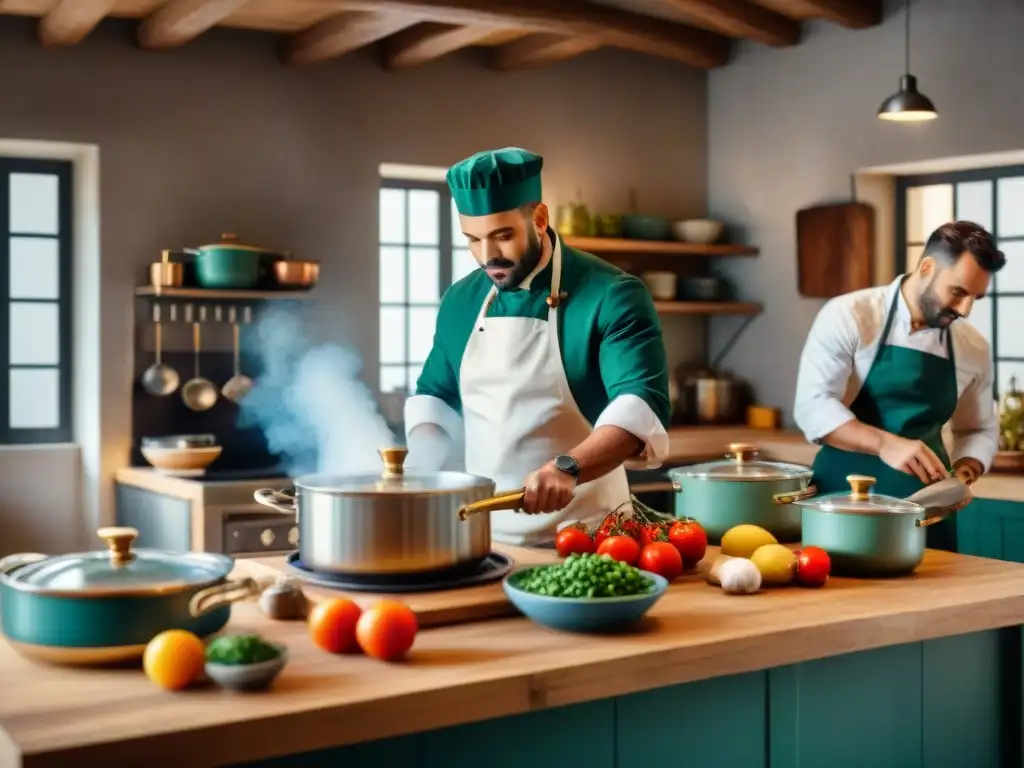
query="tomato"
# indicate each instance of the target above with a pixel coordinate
(607, 528)
(174, 659)
(813, 566)
(332, 625)
(386, 630)
(621, 547)
(662, 558)
(574, 538)
(651, 532)
(690, 539)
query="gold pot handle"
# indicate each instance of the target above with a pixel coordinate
(503, 500)
(790, 496)
(938, 514)
(219, 595)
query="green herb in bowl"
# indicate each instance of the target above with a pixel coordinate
(586, 575)
(241, 649)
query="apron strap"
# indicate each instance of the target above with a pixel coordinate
(889, 317)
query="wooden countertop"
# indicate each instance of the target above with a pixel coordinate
(58, 717)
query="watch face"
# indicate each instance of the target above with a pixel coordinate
(567, 464)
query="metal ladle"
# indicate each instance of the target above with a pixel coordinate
(159, 379)
(198, 393)
(238, 386)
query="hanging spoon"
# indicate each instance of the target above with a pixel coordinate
(198, 393)
(159, 379)
(237, 386)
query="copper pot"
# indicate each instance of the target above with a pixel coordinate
(166, 273)
(296, 273)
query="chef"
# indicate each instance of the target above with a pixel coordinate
(548, 368)
(884, 369)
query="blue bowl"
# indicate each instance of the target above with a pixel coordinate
(582, 614)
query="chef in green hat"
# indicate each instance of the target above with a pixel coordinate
(547, 362)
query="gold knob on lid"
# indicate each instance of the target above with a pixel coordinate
(119, 541)
(394, 460)
(860, 486)
(742, 451)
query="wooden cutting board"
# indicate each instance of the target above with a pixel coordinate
(835, 249)
(450, 606)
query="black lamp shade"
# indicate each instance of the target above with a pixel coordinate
(907, 105)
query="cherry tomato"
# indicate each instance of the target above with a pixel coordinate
(690, 539)
(662, 558)
(574, 538)
(604, 530)
(332, 625)
(813, 566)
(651, 532)
(386, 630)
(623, 548)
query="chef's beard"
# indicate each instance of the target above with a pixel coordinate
(517, 271)
(935, 314)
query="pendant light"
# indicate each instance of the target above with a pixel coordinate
(907, 105)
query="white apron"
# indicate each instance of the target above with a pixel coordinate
(519, 414)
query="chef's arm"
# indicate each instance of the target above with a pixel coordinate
(634, 371)
(975, 426)
(433, 424)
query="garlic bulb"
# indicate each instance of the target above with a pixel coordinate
(283, 600)
(711, 570)
(739, 576)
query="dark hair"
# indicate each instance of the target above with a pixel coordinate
(949, 242)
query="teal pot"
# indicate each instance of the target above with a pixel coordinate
(638, 226)
(229, 264)
(740, 490)
(866, 534)
(103, 607)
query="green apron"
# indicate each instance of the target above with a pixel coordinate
(907, 393)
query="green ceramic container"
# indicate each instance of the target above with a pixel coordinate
(867, 534)
(741, 490)
(229, 264)
(103, 607)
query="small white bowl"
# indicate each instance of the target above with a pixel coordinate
(702, 231)
(662, 285)
(247, 677)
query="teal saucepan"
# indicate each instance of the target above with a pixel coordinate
(740, 489)
(230, 264)
(871, 535)
(103, 607)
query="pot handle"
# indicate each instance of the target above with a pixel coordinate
(9, 563)
(670, 486)
(219, 595)
(938, 514)
(503, 500)
(279, 501)
(791, 496)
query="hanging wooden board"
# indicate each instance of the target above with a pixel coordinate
(835, 249)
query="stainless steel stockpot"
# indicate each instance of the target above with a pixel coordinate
(389, 523)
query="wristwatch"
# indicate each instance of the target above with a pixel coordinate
(569, 465)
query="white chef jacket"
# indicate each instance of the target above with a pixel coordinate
(841, 348)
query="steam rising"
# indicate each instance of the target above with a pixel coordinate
(308, 400)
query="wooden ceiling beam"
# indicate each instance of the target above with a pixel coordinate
(426, 42)
(70, 21)
(739, 19)
(854, 14)
(539, 50)
(179, 21)
(341, 34)
(568, 18)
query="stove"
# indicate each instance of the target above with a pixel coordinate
(492, 568)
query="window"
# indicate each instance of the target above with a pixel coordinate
(993, 198)
(419, 261)
(35, 286)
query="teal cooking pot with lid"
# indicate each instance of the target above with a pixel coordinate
(103, 607)
(740, 489)
(230, 264)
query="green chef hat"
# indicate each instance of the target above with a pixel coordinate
(495, 181)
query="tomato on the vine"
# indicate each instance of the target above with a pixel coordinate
(621, 547)
(574, 539)
(662, 558)
(649, 533)
(687, 536)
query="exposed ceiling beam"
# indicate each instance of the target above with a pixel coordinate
(69, 21)
(179, 21)
(739, 19)
(426, 42)
(855, 14)
(538, 50)
(569, 18)
(341, 34)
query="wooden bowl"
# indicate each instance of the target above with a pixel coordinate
(181, 461)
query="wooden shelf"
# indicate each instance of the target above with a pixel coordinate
(217, 294)
(598, 245)
(707, 307)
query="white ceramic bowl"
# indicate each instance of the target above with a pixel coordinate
(662, 285)
(703, 231)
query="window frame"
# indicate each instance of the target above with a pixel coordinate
(64, 171)
(992, 174)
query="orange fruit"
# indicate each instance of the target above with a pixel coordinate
(174, 659)
(332, 625)
(387, 630)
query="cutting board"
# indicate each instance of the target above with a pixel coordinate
(835, 249)
(450, 606)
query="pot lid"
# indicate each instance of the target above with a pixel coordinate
(742, 466)
(393, 480)
(230, 240)
(860, 500)
(118, 571)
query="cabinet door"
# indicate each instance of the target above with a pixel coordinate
(992, 528)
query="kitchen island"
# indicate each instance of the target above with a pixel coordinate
(919, 671)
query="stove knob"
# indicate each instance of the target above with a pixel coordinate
(293, 536)
(267, 537)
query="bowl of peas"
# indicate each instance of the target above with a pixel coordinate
(584, 593)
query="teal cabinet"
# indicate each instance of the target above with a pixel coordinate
(992, 528)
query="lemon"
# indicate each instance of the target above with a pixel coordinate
(776, 563)
(742, 540)
(174, 659)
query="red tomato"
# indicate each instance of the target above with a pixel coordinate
(813, 566)
(332, 625)
(661, 558)
(387, 630)
(621, 547)
(604, 530)
(574, 538)
(690, 539)
(651, 532)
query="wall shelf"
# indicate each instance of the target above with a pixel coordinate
(707, 308)
(608, 245)
(214, 294)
